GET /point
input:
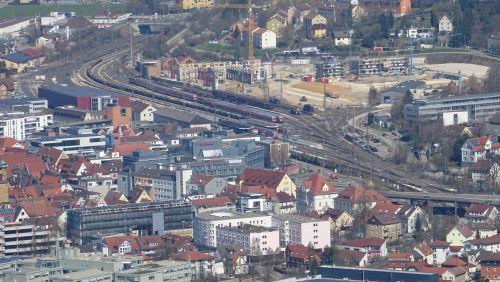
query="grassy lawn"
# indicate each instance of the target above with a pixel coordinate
(21, 11)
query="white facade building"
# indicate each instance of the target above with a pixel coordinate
(456, 117)
(264, 38)
(17, 125)
(85, 145)
(254, 239)
(12, 27)
(296, 229)
(445, 24)
(205, 224)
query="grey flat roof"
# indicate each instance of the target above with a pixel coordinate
(448, 99)
(297, 218)
(20, 101)
(79, 91)
(228, 214)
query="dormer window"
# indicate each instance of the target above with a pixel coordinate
(325, 187)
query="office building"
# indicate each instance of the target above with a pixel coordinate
(296, 229)
(147, 218)
(85, 144)
(205, 224)
(158, 271)
(454, 110)
(19, 125)
(26, 105)
(225, 157)
(255, 240)
(85, 98)
(139, 160)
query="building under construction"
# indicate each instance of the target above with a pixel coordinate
(329, 67)
(391, 66)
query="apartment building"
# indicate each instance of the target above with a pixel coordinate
(18, 125)
(83, 143)
(205, 224)
(30, 237)
(254, 239)
(148, 218)
(297, 229)
(454, 110)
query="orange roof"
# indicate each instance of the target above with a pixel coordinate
(39, 208)
(385, 207)
(454, 262)
(126, 149)
(212, 202)
(6, 142)
(113, 242)
(317, 184)
(50, 155)
(193, 256)
(201, 180)
(35, 167)
(354, 193)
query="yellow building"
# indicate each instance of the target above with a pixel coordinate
(459, 235)
(384, 226)
(276, 180)
(196, 4)
(315, 25)
(276, 23)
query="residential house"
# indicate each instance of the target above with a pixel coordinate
(481, 213)
(458, 274)
(399, 261)
(279, 181)
(440, 252)
(422, 252)
(276, 23)
(490, 267)
(354, 199)
(414, 218)
(485, 174)
(483, 230)
(234, 258)
(352, 258)
(284, 203)
(119, 244)
(298, 255)
(316, 194)
(6, 88)
(459, 234)
(341, 220)
(206, 184)
(201, 263)
(142, 111)
(264, 38)
(384, 226)
(480, 148)
(372, 246)
(315, 25)
(357, 12)
(342, 38)
(445, 25)
(491, 244)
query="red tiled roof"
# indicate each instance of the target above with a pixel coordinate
(35, 167)
(260, 189)
(114, 242)
(315, 184)
(385, 207)
(193, 256)
(453, 262)
(32, 52)
(126, 149)
(52, 180)
(350, 255)
(201, 180)
(6, 142)
(495, 239)
(283, 197)
(478, 208)
(113, 198)
(260, 176)
(354, 194)
(39, 208)
(397, 256)
(424, 248)
(212, 202)
(456, 249)
(50, 155)
(457, 271)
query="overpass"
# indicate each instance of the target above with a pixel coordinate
(444, 197)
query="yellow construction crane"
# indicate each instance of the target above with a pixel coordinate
(247, 6)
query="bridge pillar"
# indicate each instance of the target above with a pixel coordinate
(456, 209)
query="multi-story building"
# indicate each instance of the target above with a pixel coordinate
(297, 229)
(264, 38)
(384, 226)
(315, 25)
(205, 224)
(32, 236)
(329, 66)
(316, 194)
(83, 143)
(454, 110)
(85, 98)
(18, 125)
(153, 218)
(161, 183)
(478, 148)
(256, 240)
(490, 267)
(27, 105)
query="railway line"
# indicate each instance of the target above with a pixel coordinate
(321, 130)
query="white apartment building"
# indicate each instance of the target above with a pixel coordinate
(253, 202)
(85, 145)
(28, 238)
(296, 229)
(254, 239)
(17, 125)
(205, 224)
(264, 38)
